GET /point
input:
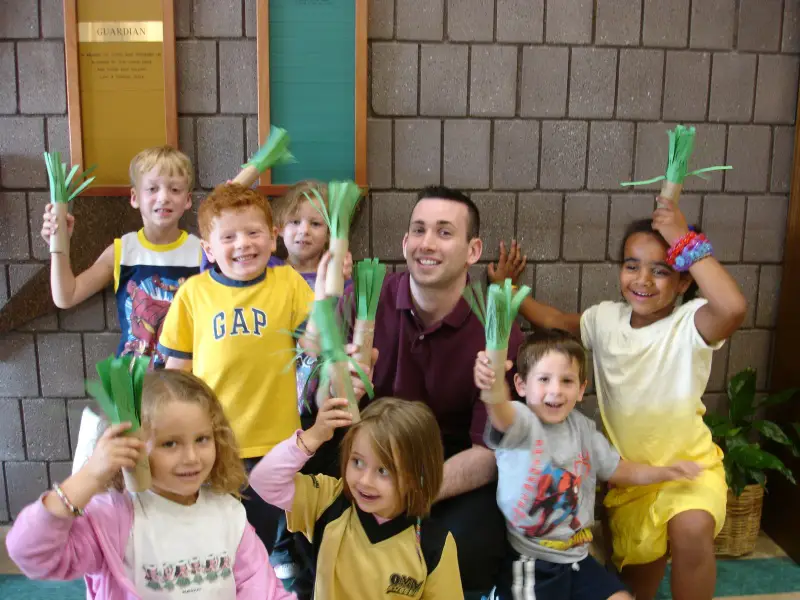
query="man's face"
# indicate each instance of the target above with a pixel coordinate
(436, 248)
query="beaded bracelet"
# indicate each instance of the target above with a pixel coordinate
(690, 249)
(76, 512)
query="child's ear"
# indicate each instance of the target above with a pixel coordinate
(134, 199)
(274, 245)
(519, 384)
(207, 249)
(583, 389)
(684, 283)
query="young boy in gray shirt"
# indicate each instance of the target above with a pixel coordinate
(549, 458)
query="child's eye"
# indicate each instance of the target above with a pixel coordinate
(295, 221)
(358, 463)
(169, 444)
(544, 379)
(316, 223)
(383, 472)
(630, 267)
(203, 439)
(661, 272)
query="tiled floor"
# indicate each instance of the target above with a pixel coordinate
(765, 548)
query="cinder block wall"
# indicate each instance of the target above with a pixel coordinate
(539, 108)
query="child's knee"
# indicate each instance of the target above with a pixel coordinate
(691, 533)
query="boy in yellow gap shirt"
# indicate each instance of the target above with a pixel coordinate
(231, 327)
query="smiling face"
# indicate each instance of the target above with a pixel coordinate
(371, 483)
(240, 242)
(553, 386)
(305, 235)
(437, 247)
(182, 450)
(161, 198)
(647, 282)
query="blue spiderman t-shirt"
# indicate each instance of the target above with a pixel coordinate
(547, 474)
(146, 277)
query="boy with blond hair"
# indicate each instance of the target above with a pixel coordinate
(231, 327)
(146, 266)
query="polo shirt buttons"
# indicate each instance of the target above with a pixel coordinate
(422, 337)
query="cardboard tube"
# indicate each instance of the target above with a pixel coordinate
(363, 335)
(138, 479)
(247, 176)
(671, 190)
(334, 280)
(59, 241)
(497, 360)
(340, 379)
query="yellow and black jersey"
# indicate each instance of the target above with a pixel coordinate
(358, 558)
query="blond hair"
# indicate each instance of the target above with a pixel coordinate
(229, 196)
(167, 159)
(406, 439)
(291, 201)
(161, 387)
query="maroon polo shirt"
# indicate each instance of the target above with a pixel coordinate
(434, 364)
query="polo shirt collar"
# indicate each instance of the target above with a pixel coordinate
(403, 301)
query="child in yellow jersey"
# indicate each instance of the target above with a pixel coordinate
(369, 529)
(652, 359)
(231, 326)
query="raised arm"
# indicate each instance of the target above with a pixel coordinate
(726, 307)
(549, 317)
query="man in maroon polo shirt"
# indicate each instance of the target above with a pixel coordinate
(427, 339)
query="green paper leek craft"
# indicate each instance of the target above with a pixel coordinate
(275, 151)
(681, 145)
(369, 275)
(496, 313)
(333, 362)
(343, 196)
(119, 394)
(63, 188)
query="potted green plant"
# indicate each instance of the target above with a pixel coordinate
(738, 434)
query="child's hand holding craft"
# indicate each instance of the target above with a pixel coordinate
(114, 451)
(50, 223)
(484, 373)
(669, 221)
(332, 414)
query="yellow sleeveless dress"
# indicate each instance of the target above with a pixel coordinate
(649, 384)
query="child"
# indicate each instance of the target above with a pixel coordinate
(548, 459)
(369, 530)
(186, 537)
(146, 267)
(652, 359)
(231, 326)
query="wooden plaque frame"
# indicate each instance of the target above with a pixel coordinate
(266, 186)
(74, 92)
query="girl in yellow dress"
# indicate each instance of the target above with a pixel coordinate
(652, 359)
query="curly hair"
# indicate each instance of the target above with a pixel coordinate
(163, 386)
(406, 439)
(229, 196)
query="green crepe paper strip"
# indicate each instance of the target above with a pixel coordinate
(368, 283)
(119, 391)
(497, 312)
(62, 188)
(681, 145)
(343, 196)
(331, 342)
(275, 151)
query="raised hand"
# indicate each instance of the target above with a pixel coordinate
(510, 265)
(332, 414)
(114, 451)
(669, 221)
(49, 224)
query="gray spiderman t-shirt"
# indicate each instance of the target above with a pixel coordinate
(547, 479)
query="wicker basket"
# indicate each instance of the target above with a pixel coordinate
(742, 523)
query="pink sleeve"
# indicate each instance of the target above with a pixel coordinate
(48, 547)
(273, 477)
(255, 579)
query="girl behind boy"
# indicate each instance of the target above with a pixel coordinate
(652, 359)
(187, 537)
(369, 530)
